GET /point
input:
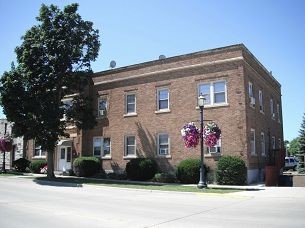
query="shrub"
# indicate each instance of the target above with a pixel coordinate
(37, 165)
(86, 166)
(141, 169)
(188, 171)
(164, 178)
(231, 170)
(21, 164)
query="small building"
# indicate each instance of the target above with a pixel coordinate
(18, 145)
(140, 110)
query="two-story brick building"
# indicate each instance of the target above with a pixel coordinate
(141, 109)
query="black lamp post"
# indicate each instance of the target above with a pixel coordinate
(202, 182)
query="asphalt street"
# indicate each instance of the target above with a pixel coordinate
(25, 203)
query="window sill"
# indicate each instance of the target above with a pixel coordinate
(130, 114)
(212, 155)
(39, 157)
(163, 111)
(262, 112)
(164, 156)
(253, 155)
(106, 158)
(129, 157)
(214, 106)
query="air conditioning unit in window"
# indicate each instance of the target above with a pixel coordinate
(163, 151)
(252, 101)
(102, 112)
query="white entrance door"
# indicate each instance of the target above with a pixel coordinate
(64, 158)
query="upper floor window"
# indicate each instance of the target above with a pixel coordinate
(163, 144)
(280, 143)
(263, 144)
(252, 142)
(66, 105)
(101, 147)
(130, 103)
(261, 101)
(130, 146)
(214, 92)
(163, 99)
(272, 109)
(215, 149)
(251, 94)
(273, 142)
(102, 107)
(278, 113)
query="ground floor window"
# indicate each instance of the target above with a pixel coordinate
(163, 144)
(38, 152)
(130, 146)
(101, 147)
(215, 149)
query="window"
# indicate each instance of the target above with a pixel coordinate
(272, 109)
(278, 113)
(273, 142)
(163, 99)
(252, 142)
(102, 107)
(263, 144)
(280, 143)
(130, 103)
(130, 146)
(250, 89)
(215, 149)
(38, 152)
(101, 147)
(261, 103)
(66, 105)
(163, 144)
(214, 92)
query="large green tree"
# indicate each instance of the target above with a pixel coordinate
(54, 60)
(294, 146)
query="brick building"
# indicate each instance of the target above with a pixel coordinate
(18, 145)
(141, 108)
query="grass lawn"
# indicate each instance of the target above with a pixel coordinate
(142, 185)
(10, 174)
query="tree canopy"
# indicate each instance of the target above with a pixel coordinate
(54, 60)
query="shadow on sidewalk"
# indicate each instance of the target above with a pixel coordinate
(57, 182)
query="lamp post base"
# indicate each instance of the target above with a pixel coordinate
(201, 185)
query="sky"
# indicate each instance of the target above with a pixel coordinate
(136, 31)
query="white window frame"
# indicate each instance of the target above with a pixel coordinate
(273, 142)
(38, 148)
(252, 142)
(158, 99)
(272, 109)
(212, 93)
(65, 108)
(102, 152)
(159, 144)
(126, 147)
(263, 144)
(98, 107)
(217, 148)
(261, 101)
(126, 104)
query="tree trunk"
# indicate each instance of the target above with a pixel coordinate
(50, 172)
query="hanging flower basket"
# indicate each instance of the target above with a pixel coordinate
(211, 134)
(6, 144)
(190, 135)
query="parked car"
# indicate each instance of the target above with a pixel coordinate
(291, 163)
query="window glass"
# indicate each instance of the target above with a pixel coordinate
(163, 99)
(204, 90)
(130, 145)
(97, 144)
(163, 144)
(131, 103)
(68, 154)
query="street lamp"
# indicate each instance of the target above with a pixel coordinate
(202, 182)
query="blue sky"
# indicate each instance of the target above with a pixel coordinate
(138, 31)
